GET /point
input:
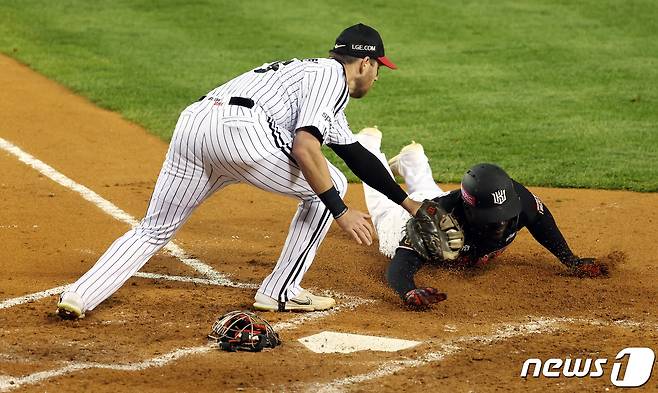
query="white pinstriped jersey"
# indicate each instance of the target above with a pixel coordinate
(217, 143)
(298, 93)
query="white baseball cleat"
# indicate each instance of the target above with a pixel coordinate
(370, 137)
(396, 164)
(372, 131)
(70, 306)
(305, 301)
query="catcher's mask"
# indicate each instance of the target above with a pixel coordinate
(243, 331)
(491, 203)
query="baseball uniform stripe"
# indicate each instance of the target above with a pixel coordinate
(218, 141)
(300, 262)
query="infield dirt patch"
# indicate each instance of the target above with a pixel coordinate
(49, 236)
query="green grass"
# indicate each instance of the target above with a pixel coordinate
(560, 93)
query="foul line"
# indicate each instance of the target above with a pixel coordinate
(8, 383)
(109, 208)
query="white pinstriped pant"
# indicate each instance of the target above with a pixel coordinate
(388, 217)
(214, 146)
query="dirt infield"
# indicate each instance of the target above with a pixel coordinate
(150, 336)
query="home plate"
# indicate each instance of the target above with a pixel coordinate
(334, 342)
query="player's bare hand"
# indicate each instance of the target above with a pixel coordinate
(411, 206)
(356, 224)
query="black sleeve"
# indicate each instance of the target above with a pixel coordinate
(401, 271)
(368, 168)
(313, 131)
(542, 226)
(545, 231)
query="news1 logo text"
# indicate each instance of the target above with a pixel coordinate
(631, 368)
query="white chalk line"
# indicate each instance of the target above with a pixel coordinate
(8, 383)
(157, 276)
(29, 298)
(107, 206)
(536, 325)
(195, 280)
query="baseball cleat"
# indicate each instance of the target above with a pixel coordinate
(370, 137)
(395, 164)
(305, 301)
(371, 131)
(70, 306)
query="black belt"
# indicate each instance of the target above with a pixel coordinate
(239, 101)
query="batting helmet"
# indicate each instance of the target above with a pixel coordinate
(489, 195)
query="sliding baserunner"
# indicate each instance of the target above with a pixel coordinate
(480, 220)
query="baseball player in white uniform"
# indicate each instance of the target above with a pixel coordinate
(265, 128)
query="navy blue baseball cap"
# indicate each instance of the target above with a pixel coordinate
(362, 41)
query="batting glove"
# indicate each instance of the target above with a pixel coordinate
(423, 297)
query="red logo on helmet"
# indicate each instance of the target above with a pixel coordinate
(470, 199)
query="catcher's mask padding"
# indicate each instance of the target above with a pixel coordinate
(243, 331)
(489, 195)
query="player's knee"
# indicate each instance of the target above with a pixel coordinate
(155, 235)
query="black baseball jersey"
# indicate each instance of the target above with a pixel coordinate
(479, 250)
(534, 216)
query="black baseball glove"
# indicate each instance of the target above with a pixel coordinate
(434, 234)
